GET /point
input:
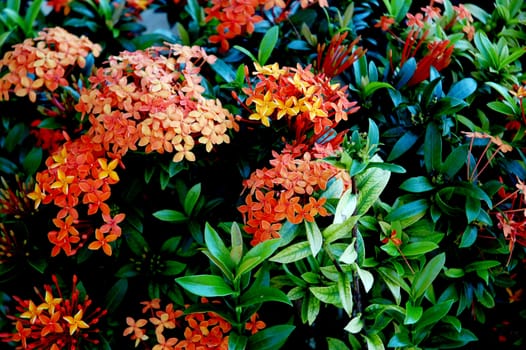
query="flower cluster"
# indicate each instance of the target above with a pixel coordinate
(238, 17)
(309, 102)
(289, 190)
(55, 322)
(79, 174)
(145, 98)
(206, 330)
(8, 244)
(44, 63)
(423, 25)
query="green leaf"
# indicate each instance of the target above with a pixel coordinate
(434, 314)
(31, 15)
(246, 52)
(217, 248)
(170, 245)
(454, 161)
(261, 294)
(371, 88)
(256, 256)
(327, 294)
(417, 184)
(236, 238)
(370, 184)
(271, 338)
(267, 45)
(346, 206)
(406, 72)
(481, 265)
(408, 213)
(127, 271)
(314, 237)
(412, 313)
(374, 342)
(355, 325)
(366, 277)
(32, 160)
(469, 236)
(432, 148)
(293, 253)
(116, 295)
(419, 248)
(424, 278)
(334, 232)
(170, 215)
(15, 136)
(404, 143)
(224, 70)
(336, 344)
(172, 268)
(205, 285)
(237, 342)
(191, 199)
(345, 292)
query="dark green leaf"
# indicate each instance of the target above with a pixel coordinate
(261, 294)
(191, 199)
(424, 278)
(237, 342)
(406, 72)
(32, 160)
(172, 268)
(432, 148)
(170, 245)
(403, 144)
(116, 295)
(205, 285)
(434, 314)
(15, 136)
(409, 213)
(417, 184)
(271, 338)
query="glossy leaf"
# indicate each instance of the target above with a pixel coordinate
(170, 215)
(205, 285)
(191, 199)
(257, 255)
(271, 338)
(424, 278)
(294, 252)
(417, 184)
(267, 45)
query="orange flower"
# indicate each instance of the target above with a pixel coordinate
(254, 325)
(102, 242)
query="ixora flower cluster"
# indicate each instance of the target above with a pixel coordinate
(262, 174)
(201, 330)
(57, 321)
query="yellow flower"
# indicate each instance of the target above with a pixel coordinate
(272, 70)
(63, 181)
(37, 195)
(76, 322)
(108, 170)
(49, 303)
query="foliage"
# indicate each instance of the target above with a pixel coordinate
(304, 174)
